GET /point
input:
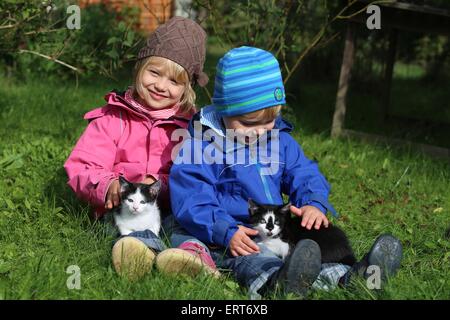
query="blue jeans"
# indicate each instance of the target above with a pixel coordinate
(250, 271)
(151, 240)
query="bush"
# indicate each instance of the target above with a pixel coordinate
(105, 41)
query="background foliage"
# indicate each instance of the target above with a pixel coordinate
(102, 45)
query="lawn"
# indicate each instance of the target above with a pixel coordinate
(44, 229)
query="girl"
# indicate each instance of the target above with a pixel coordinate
(130, 135)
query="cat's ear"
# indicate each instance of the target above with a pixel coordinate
(124, 184)
(252, 207)
(154, 189)
(286, 209)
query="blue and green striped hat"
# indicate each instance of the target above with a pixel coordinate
(247, 79)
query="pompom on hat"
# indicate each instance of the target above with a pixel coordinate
(247, 79)
(182, 41)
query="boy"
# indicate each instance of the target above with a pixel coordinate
(240, 148)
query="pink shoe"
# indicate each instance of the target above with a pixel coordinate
(189, 258)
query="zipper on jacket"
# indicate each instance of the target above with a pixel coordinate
(262, 177)
(265, 184)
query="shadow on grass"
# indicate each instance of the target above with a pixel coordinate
(419, 111)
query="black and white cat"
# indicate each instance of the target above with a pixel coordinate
(138, 210)
(278, 228)
(270, 223)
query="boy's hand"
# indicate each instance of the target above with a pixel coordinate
(241, 244)
(113, 195)
(310, 216)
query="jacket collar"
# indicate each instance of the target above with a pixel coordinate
(209, 119)
(116, 98)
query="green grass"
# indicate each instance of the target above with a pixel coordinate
(44, 229)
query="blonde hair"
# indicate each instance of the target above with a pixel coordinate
(263, 115)
(173, 70)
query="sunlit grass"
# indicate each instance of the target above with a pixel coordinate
(44, 229)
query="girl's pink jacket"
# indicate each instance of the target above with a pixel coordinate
(121, 141)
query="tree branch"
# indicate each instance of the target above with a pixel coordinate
(363, 9)
(9, 26)
(318, 37)
(51, 59)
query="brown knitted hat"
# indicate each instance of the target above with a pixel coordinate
(182, 41)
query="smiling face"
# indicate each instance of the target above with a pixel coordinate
(161, 83)
(250, 126)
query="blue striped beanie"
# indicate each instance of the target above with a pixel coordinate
(247, 79)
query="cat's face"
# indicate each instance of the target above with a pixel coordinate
(136, 197)
(269, 220)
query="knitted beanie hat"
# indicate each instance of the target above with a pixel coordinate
(247, 79)
(182, 41)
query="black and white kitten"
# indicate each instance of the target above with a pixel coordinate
(270, 222)
(333, 242)
(138, 210)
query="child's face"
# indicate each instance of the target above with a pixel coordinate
(248, 128)
(161, 90)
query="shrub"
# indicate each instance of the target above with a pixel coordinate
(38, 41)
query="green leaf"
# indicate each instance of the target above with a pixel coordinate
(447, 255)
(430, 244)
(386, 164)
(27, 204)
(122, 26)
(12, 162)
(377, 227)
(444, 243)
(129, 39)
(231, 284)
(112, 40)
(58, 209)
(113, 54)
(4, 267)
(10, 204)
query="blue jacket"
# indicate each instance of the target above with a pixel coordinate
(210, 199)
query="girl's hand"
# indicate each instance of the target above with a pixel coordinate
(241, 244)
(310, 216)
(113, 195)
